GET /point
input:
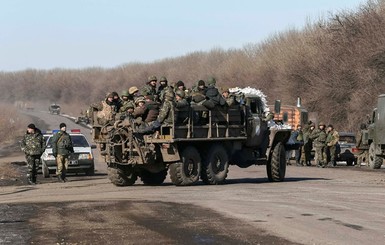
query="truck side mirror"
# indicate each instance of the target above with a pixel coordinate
(277, 107)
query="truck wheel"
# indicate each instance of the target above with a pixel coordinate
(121, 177)
(186, 172)
(276, 165)
(375, 162)
(216, 166)
(149, 178)
(45, 170)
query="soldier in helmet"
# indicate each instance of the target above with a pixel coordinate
(212, 95)
(319, 139)
(163, 85)
(331, 142)
(124, 101)
(33, 146)
(183, 107)
(166, 113)
(230, 100)
(117, 101)
(150, 87)
(106, 109)
(133, 93)
(140, 108)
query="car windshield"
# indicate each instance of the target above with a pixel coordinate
(347, 139)
(77, 141)
(55, 106)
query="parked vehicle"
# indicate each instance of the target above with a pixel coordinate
(346, 147)
(82, 160)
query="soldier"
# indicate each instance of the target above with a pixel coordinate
(129, 111)
(166, 113)
(132, 93)
(180, 86)
(319, 138)
(200, 87)
(199, 92)
(124, 101)
(163, 84)
(106, 110)
(299, 141)
(230, 100)
(307, 143)
(150, 87)
(33, 146)
(362, 145)
(117, 101)
(61, 149)
(152, 109)
(332, 139)
(140, 108)
(183, 107)
(212, 95)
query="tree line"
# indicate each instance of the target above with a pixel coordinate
(335, 64)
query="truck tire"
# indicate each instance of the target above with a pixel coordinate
(375, 161)
(216, 166)
(121, 177)
(44, 170)
(149, 178)
(188, 170)
(276, 165)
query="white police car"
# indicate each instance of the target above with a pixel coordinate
(82, 160)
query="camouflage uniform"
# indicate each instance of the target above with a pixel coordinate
(183, 107)
(150, 87)
(33, 146)
(307, 145)
(319, 138)
(331, 142)
(106, 111)
(362, 146)
(166, 113)
(61, 149)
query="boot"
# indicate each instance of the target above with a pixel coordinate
(30, 180)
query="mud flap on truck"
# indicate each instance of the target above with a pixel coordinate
(169, 153)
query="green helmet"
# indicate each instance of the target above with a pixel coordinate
(152, 78)
(124, 93)
(163, 79)
(211, 81)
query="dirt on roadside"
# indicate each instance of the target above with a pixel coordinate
(13, 167)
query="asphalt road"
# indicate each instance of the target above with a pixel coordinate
(342, 205)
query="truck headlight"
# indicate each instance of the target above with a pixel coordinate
(85, 156)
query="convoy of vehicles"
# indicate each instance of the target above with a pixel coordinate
(196, 147)
(82, 160)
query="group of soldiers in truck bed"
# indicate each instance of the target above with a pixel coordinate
(152, 105)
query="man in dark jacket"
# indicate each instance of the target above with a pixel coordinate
(61, 148)
(33, 146)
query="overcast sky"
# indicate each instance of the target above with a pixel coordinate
(45, 34)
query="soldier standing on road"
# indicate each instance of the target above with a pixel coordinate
(299, 141)
(319, 138)
(61, 148)
(307, 144)
(362, 145)
(331, 141)
(33, 146)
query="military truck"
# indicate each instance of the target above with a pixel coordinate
(200, 146)
(375, 135)
(54, 109)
